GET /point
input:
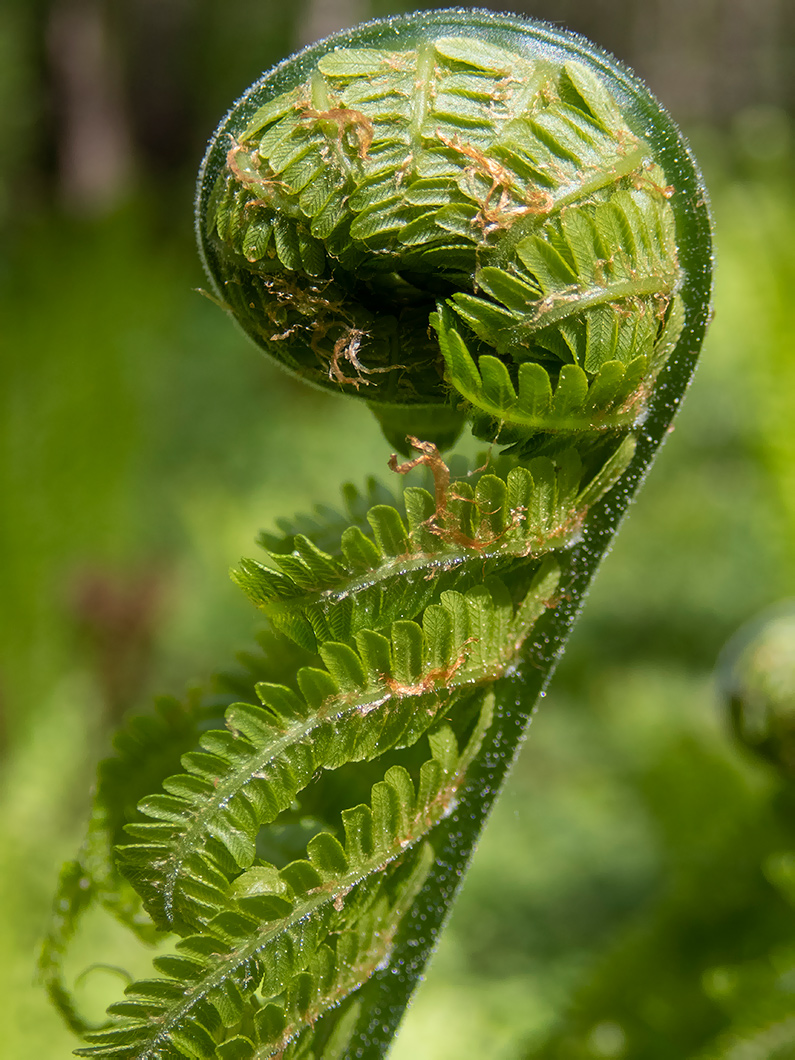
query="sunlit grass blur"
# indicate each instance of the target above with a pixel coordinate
(143, 443)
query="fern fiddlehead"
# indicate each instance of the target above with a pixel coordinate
(460, 218)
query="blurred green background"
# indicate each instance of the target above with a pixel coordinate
(629, 898)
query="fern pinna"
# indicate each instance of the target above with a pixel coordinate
(464, 219)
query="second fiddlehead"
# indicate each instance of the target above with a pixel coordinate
(460, 218)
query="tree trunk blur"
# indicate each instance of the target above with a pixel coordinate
(95, 92)
(93, 137)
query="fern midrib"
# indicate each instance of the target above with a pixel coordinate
(426, 64)
(501, 254)
(187, 842)
(360, 973)
(531, 547)
(319, 91)
(563, 305)
(610, 420)
(329, 1001)
(533, 81)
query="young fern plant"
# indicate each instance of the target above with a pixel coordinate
(461, 218)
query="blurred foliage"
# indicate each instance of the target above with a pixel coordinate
(633, 893)
(96, 95)
(757, 673)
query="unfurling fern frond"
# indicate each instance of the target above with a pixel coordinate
(146, 749)
(464, 533)
(353, 208)
(269, 934)
(387, 694)
(459, 217)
